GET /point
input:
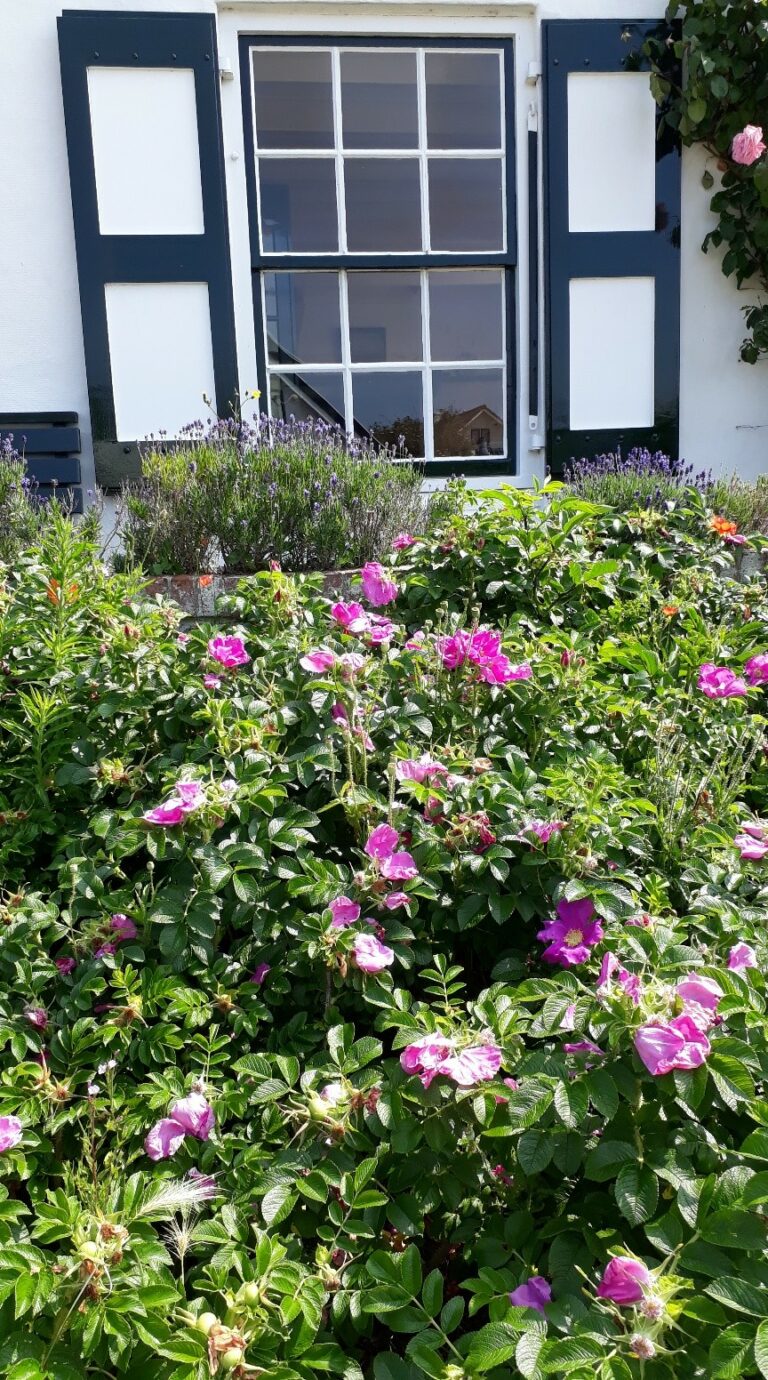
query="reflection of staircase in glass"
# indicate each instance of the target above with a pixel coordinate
(308, 393)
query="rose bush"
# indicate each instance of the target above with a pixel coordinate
(382, 993)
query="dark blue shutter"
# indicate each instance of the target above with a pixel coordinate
(606, 45)
(108, 39)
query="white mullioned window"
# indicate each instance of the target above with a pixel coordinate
(383, 240)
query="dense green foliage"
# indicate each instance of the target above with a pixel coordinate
(363, 1224)
(722, 49)
(237, 497)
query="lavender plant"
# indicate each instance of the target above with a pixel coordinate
(24, 515)
(641, 479)
(241, 496)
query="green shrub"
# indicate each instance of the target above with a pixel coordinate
(538, 710)
(294, 492)
(744, 501)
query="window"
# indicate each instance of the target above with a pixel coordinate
(383, 243)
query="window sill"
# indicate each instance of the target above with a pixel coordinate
(476, 9)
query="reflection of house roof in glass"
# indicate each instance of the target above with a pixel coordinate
(471, 414)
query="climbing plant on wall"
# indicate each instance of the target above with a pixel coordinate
(723, 51)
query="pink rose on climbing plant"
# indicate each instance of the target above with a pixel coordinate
(11, 1132)
(742, 956)
(533, 1294)
(320, 660)
(572, 936)
(624, 1281)
(756, 669)
(474, 1065)
(748, 145)
(371, 956)
(228, 651)
(195, 1114)
(720, 682)
(700, 992)
(381, 845)
(678, 1044)
(344, 912)
(378, 589)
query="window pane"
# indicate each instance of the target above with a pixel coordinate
(383, 204)
(307, 396)
(465, 204)
(294, 101)
(463, 101)
(298, 205)
(303, 322)
(378, 100)
(384, 317)
(390, 406)
(465, 313)
(468, 411)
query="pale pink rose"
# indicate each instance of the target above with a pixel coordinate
(182, 639)
(320, 660)
(475, 1065)
(679, 1044)
(11, 1132)
(750, 848)
(351, 663)
(399, 867)
(701, 992)
(419, 769)
(164, 1139)
(402, 541)
(378, 589)
(371, 956)
(37, 1016)
(395, 899)
(195, 1115)
(344, 912)
(742, 956)
(211, 682)
(748, 146)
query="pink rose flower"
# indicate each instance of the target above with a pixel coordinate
(533, 1294)
(352, 617)
(482, 650)
(748, 146)
(320, 660)
(396, 867)
(742, 956)
(124, 927)
(11, 1132)
(756, 669)
(425, 1056)
(678, 1044)
(187, 796)
(720, 683)
(378, 589)
(211, 682)
(344, 912)
(164, 1139)
(543, 829)
(195, 1115)
(395, 899)
(205, 1183)
(611, 970)
(371, 956)
(105, 949)
(584, 1047)
(702, 993)
(259, 973)
(470, 1066)
(419, 769)
(228, 651)
(572, 935)
(182, 639)
(402, 541)
(750, 848)
(624, 1281)
(37, 1016)
(65, 965)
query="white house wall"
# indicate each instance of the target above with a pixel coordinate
(724, 404)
